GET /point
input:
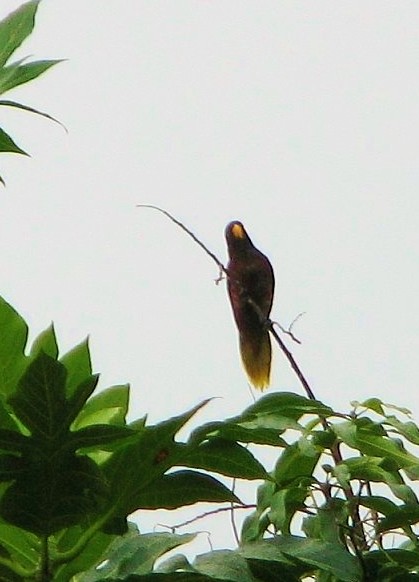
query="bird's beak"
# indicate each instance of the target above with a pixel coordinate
(238, 231)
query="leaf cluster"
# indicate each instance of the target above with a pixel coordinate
(72, 470)
(14, 29)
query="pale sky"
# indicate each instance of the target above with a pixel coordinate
(298, 118)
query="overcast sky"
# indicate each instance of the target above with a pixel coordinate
(298, 118)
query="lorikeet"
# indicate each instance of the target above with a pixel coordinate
(250, 285)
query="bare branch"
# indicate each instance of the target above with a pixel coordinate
(173, 528)
(190, 233)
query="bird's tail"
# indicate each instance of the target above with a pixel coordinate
(255, 350)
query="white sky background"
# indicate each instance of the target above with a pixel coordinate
(298, 118)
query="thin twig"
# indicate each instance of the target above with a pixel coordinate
(173, 528)
(288, 332)
(189, 232)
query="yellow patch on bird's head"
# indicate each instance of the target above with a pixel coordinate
(238, 231)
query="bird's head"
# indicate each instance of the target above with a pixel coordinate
(237, 237)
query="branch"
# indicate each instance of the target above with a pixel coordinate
(269, 324)
(357, 535)
(173, 528)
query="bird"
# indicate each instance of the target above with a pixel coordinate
(250, 285)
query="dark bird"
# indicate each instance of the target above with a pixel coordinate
(250, 284)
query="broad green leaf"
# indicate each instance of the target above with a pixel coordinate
(402, 516)
(10, 467)
(7, 145)
(231, 430)
(45, 342)
(99, 436)
(377, 503)
(13, 338)
(329, 523)
(287, 404)
(7, 421)
(79, 396)
(296, 461)
(15, 28)
(224, 565)
(78, 365)
(135, 467)
(174, 563)
(374, 404)
(225, 457)
(22, 546)
(17, 74)
(134, 553)
(385, 447)
(403, 560)
(285, 504)
(403, 492)
(39, 401)
(269, 571)
(53, 493)
(109, 406)
(320, 555)
(254, 526)
(94, 552)
(182, 488)
(342, 474)
(407, 429)
(368, 468)
(13, 441)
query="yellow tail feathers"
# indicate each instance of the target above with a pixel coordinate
(256, 356)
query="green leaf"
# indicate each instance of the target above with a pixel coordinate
(407, 429)
(108, 407)
(93, 552)
(22, 546)
(135, 554)
(319, 555)
(285, 503)
(231, 430)
(377, 503)
(392, 563)
(287, 404)
(15, 28)
(182, 488)
(100, 436)
(13, 441)
(296, 461)
(227, 458)
(79, 397)
(53, 493)
(136, 467)
(269, 571)
(78, 365)
(7, 103)
(401, 517)
(385, 447)
(328, 523)
(17, 74)
(45, 342)
(7, 145)
(39, 401)
(13, 338)
(374, 404)
(224, 565)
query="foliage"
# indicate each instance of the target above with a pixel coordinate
(338, 505)
(72, 471)
(14, 29)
